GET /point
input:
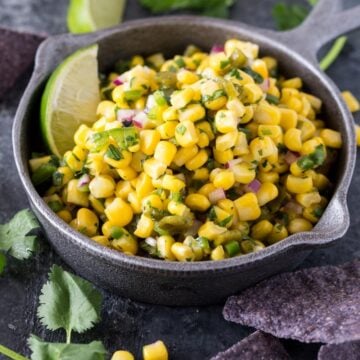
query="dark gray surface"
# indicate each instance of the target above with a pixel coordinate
(190, 333)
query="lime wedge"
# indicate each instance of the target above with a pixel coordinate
(91, 15)
(70, 99)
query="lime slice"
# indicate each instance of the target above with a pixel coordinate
(70, 99)
(91, 15)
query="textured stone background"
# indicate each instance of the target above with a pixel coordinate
(190, 333)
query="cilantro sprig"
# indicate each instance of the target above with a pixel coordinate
(289, 16)
(18, 238)
(70, 303)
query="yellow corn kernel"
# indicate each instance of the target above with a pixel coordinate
(226, 141)
(225, 121)
(183, 155)
(227, 205)
(311, 145)
(164, 244)
(193, 112)
(126, 244)
(65, 173)
(106, 229)
(185, 134)
(187, 77)
(260, 67)
(64, 215)
(292, 139)
(223, 157)
(204, 126)
(271, 63)
(102, 186)
(243, 173)
(137, 60)
(295, 169)
(182, 252)
(308, 199)
(165, 152)
(241, 145)
(122, 355)
(102, 240)
(87, 222)
(249, 49)
(197, 161)
(75, 160)
(135, 202)
(288, 118)
(299, 225)
(213, 94)
(81, 135)
(119, 212)
(151, 201)
(331, 138)
(320, 181)
(218, 253)
(267, 114)
(201, 174)
(145, 227)
(273, 131)
(207, 189)
(247, 207)
(357, 132)
(172, 183)
(123, 189)
(210, 230)
(177, 208)
(74, 196)
(294, 83)
(261, 230)
(351, 101)
(299, 185)
(106, 109)
(278, 233)
(154, 168)
(203, 140)
(262, 147)
(248, 115)
(307, 128)
(181, 98)
(271, 176)
(251, 94)
(197, 202)
(96, 204)
(224, 179)
(266, 193)
(144, 185)
(148, 141)
(236, 107)
(124, 162)
(167, 130)
(170, 114)
(315, 102)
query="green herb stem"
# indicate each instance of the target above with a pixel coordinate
(334, 52)
(11, 354)
(68, 335)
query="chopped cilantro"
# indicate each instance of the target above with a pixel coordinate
(272, 99)
(224, 63)
(255, 75)
(114, 153)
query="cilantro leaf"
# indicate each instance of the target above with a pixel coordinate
(69, 302)
(218, 8)
(2, 262)
(56, 351)
(289, 16)
(15, 238)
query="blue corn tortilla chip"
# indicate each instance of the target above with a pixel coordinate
(320, 304)
(345, 351)
(17, 51)
(258, 345)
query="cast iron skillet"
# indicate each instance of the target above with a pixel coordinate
(199, 283)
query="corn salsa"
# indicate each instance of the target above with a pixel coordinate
(203, 156)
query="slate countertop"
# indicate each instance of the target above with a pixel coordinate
(190, 333)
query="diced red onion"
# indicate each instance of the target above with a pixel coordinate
(293, 206)
(151, 241)
(125, 115)
(140, 119)
(217, 48)
(118, 81)
(254, 186)
(291, 157)
(232, 163)
(84, 180)
(265, 85)
(216, 195)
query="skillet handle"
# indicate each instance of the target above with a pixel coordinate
(326, 22)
